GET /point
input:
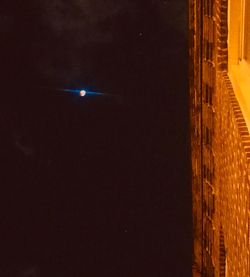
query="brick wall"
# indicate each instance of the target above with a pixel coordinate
(220, 150)
(231, 162)
(232, 184)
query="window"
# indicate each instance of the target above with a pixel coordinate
(207, 136)
(208, 50)
(208, 91)
(239, 53)
(223, 259)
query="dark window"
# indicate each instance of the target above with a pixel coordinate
(208, 50)
(208, 91)
(207, 136)
(222, 255)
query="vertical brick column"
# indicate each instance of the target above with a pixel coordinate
(221, 16)
(195, 130)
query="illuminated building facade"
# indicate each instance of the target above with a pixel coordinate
(220, 124)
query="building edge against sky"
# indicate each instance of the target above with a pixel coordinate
(220, 139)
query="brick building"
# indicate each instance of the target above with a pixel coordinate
(220, 124)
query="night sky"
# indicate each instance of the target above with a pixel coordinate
(96, 185)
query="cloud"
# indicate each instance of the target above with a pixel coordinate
(67, 42)
(71, 35)
(81, 19)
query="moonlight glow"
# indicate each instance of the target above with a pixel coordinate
(83, 93)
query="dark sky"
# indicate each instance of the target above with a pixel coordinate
(95, 185)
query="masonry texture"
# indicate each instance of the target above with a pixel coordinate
(220, 150)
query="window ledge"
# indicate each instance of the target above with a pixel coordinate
(240, 77)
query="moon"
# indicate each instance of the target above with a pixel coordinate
(82, 93)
